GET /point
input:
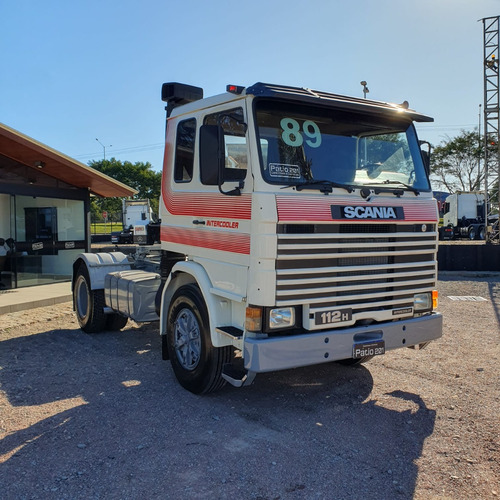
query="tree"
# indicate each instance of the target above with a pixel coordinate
(139, 176)
(457, 164)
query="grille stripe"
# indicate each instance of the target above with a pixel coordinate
(344, 279)
(340, 300)
(346, 255)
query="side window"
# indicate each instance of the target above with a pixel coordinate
(184, 150)
(235, 142)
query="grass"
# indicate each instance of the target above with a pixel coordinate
(105, 227)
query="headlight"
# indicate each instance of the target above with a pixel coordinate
(422, 302)
(284, 317)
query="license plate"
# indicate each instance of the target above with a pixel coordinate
(334, 316)
(368, 349)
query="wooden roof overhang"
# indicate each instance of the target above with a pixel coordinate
(38, 156)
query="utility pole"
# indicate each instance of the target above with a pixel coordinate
(103, 147)
(491, 51)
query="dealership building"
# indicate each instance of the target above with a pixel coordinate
(44, 210)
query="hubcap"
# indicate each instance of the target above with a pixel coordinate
(82, 297)
(187, 339)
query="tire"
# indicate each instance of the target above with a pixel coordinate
(196, 363)
(354, 361)
(472, 233)
(115, 321)
(482, 233)
(89, 304)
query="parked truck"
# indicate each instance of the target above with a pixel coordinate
(137, 215)
(298, 227)
(464, 216)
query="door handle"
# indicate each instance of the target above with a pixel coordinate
(198, 222)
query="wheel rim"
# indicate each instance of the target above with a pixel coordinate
(82, 297)
(187, 339)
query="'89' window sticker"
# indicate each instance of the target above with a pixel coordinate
(292, 135)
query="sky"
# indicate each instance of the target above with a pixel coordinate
(75, 71)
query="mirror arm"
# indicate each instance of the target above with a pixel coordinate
(234, 192)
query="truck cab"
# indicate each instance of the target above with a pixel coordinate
(297, 227)
(464, 216)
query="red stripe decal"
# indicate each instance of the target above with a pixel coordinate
(214, 240)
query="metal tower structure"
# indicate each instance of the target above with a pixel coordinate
(491, 50)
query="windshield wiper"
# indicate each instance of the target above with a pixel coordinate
(325, 186)
(396, 191)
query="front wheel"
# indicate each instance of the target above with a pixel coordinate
(197, 364)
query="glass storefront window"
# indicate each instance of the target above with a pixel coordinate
(48, 234)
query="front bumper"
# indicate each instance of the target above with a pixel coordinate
(281, 353)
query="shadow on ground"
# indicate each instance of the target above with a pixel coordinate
(110, 421)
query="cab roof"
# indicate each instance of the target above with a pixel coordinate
(185, 98)
(335, 100)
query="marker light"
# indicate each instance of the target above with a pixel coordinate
(234, 89)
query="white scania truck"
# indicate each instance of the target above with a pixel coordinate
(298, 227)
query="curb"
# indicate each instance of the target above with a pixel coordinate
(24, 306)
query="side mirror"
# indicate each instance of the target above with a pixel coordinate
(213, 171)
(426, 156)
(211, 154)
(427, 161)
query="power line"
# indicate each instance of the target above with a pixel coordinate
(133, 149)
(449, 127)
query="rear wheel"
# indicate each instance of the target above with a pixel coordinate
(115, 321)
(482, 233)
(89, 304)
(472, 233)
(197, 364)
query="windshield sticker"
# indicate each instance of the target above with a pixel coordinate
(292, 136)
(284, 171)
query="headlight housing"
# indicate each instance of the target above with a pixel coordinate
(422, 302)
(281, 317)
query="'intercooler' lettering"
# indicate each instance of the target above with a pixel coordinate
(223, 223)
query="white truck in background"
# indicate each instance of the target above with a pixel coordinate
(136, 217)
(298, 227)
(464, 216)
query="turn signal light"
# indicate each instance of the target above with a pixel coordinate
(434, 299)
(253, 319)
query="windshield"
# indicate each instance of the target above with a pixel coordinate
(302, 144)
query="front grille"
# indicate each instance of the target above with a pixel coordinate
(365, 267)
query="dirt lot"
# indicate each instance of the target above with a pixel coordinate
(101, 416)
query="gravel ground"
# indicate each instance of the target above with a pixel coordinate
(101, 416)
